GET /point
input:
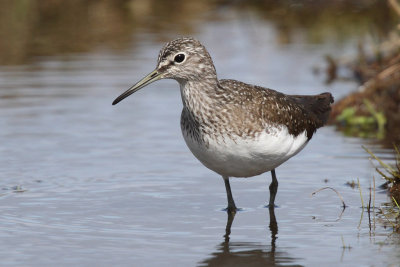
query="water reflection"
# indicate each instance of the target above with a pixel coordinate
(249, 253)
(96, 176)
(339, 217)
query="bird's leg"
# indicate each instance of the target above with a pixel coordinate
(273, 188)
(231, 204)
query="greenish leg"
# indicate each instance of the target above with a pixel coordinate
(231, 204)
(273, 189)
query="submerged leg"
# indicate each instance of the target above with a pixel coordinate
(273, 227)
(273, 188)
(231, 216)
(231, 204)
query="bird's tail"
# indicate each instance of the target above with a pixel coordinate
(318, 105)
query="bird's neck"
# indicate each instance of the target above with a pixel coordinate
(199, 96)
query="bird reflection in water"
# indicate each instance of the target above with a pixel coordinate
(249, 253)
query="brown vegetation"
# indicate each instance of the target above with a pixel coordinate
(380, 86)
(375, 107)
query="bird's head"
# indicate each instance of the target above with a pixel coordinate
(183, 59)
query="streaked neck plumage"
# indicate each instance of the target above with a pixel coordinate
(198, 95)
(199, 99)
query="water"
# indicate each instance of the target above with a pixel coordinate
(86, 183)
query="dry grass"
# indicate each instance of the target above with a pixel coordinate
(391, 174)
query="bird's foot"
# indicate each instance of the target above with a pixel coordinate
(271, 206)
(232, 210)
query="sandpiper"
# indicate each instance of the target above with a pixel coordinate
(233, 128)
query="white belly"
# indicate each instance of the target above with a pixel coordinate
(246, 157)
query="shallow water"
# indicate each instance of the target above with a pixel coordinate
(87, 183)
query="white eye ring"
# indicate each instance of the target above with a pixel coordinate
(180, 57)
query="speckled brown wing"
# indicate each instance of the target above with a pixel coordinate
(297, 113)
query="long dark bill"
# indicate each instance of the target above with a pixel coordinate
(151, 77)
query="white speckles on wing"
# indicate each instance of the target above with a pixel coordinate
(233, 128)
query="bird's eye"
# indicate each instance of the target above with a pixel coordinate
(179, 58)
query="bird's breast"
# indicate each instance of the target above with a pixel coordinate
(242, 155)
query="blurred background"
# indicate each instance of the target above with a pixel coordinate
(30, 28)
(83, 182)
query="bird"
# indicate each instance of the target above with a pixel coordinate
(234, 128)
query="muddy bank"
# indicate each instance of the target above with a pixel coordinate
(373, 110)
